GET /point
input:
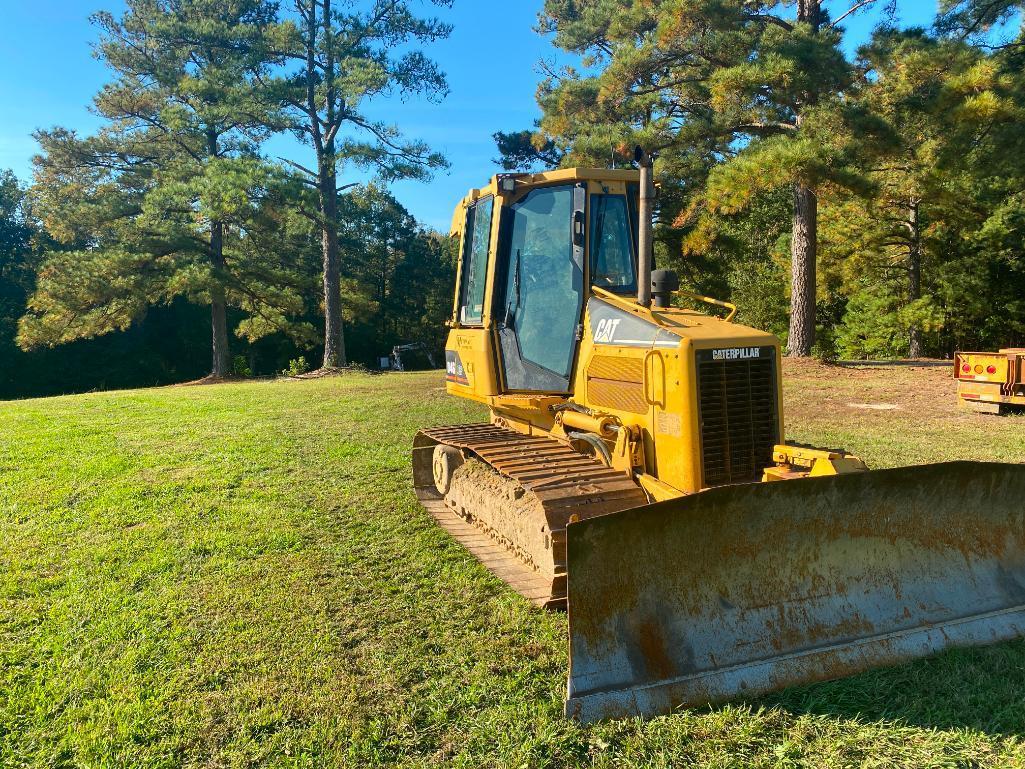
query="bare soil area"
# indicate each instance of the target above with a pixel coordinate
(893, 414)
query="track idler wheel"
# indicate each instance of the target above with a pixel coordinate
(447, 459)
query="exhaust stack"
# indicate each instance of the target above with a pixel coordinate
(645, 239)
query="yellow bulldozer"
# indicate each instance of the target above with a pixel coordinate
(634, 472)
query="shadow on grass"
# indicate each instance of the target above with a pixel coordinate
(980, 689)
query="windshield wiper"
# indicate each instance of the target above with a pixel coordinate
(513, 306)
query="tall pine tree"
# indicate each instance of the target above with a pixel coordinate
(738, 96)
(340, 58)
(170, 180)
(939, 193)
(975, 18)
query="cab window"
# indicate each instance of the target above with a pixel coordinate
(543, 290)
(475, 261)
(613, 265)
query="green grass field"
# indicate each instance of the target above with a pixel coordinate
(239, 575)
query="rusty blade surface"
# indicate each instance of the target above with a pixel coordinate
(748, 589)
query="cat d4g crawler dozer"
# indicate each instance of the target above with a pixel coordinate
(634, 471)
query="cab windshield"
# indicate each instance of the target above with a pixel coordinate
(613, 266)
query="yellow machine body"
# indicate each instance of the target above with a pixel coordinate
(646, 383)
(634, 471)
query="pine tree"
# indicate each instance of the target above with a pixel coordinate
(163, 192)
(933, 190)
(526, 151)
(341, 58)
(738, 96)
(975, 18)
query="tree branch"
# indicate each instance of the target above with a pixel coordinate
(298, 167)
(853, 9)
(769, 19)
(763, 127)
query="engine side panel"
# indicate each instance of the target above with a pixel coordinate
(470, 364)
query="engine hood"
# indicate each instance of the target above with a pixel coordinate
(621, 322)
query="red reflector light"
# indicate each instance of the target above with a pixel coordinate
(991, 369)
(966, 368)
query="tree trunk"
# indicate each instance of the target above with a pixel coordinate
(334, 339)
(914, 277)
(803, 252)
(804, 241)
(810, 11)
(334, 334)
(221, 366)
(384, 288)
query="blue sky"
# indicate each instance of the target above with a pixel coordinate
(48, 77)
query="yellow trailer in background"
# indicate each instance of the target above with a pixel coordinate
(991, 382)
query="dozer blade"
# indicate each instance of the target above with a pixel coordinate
(748, 589)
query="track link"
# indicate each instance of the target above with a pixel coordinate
(565, 482)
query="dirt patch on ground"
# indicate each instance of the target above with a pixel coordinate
(892, 415)
(209, 379)
(320, 373)
(839, 390)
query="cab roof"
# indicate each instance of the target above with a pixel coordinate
(544, 177)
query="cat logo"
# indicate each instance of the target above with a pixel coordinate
(606, 330)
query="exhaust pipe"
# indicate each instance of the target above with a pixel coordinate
(645, 235)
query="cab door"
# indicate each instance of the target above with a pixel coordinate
(540, 291)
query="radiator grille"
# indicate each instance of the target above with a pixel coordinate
(737, 409)
(616, 383)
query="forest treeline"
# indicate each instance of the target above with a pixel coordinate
(396, 277)
(175, 209)
(858, 205)
(865, 205)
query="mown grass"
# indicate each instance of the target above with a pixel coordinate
(239, 575)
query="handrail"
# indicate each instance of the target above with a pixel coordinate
(627, 301)
(714, 302)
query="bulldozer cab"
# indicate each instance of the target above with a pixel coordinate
(540, 292)
(531, 248)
